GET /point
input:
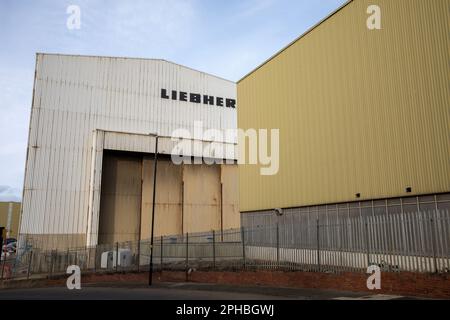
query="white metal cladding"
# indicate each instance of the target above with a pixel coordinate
(74, 97)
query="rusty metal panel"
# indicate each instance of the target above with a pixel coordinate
(201, 209)
(359, 111)
(120, 209)
(188, 198)
(168, 208)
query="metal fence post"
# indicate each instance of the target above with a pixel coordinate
(4, 257)
(138, 255)
(367, 243)
(51, 265)
(86, 258)
(95, 259)
(187, 256)
(214, 249)
(318, 246)
(55, 262)
(150, 263)
(243, 247)
(117, 256)
(162, 251)
(278, 245)
(40, 262)
(433, 242)
(29, 264)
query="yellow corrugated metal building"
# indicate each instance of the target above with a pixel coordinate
(9, 218)
(363, 114)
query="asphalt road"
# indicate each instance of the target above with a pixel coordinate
(182, 291)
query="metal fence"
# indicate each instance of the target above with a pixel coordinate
(408, 241)
(416, 241)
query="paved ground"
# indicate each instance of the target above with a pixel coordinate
(182, 291)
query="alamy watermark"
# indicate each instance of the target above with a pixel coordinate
(74, 280)
(374, 280)
(374, 20)
(214, 146)
(73, 21)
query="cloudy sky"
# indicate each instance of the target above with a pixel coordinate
(225, 38)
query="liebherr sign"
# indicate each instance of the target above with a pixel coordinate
(198, 98)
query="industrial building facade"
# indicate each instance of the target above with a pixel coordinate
(9, 219)
(363, 117)
(92, 140)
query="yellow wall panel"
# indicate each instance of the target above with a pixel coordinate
(359, 111)
(230, 196)
(4, 208)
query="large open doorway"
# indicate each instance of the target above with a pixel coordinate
(189, 198)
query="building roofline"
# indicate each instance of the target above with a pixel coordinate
(296, 40)
(130, 58)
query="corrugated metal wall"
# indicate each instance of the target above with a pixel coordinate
(15, 214)
(203, 196)
(359, 111)
(76, 95)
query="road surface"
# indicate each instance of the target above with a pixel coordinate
(182, 291)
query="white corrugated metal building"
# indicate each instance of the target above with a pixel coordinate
(85, 107)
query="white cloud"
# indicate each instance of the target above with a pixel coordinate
(9, 194)
(15, 105)
(253, 7)
(128, 27)
(227, 39)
